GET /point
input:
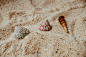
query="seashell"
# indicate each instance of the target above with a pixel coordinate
(84, 19)
(44, 26)
(63, 23)
(20, 32)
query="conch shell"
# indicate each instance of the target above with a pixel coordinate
(63, 23)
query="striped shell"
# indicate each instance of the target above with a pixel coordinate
(63, 23)
(44, 26)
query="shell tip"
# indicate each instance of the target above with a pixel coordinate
(67, 31)
(65, 28)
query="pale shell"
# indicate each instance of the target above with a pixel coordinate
(20, 32)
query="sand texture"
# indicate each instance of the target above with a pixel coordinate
(54, 43)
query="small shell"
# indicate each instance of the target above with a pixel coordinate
(84, 19)
(44, 26)
(63, 23)
(20, 32)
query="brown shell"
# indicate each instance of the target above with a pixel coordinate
(63, 23)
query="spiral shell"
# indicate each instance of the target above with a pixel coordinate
(44, 26)
(20, 32)
(63, 23)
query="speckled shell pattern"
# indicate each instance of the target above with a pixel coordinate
(20, 32)
(44, 27)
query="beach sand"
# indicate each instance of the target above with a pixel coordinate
(53, 43)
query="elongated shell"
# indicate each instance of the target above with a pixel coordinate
(44, 26)
(63, 23)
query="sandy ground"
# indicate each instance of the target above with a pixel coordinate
(53, 43)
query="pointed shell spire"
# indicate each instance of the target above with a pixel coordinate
(45, 26)
(63, 23)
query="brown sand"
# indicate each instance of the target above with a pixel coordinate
(53, 43)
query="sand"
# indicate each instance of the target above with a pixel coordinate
(53, 43)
